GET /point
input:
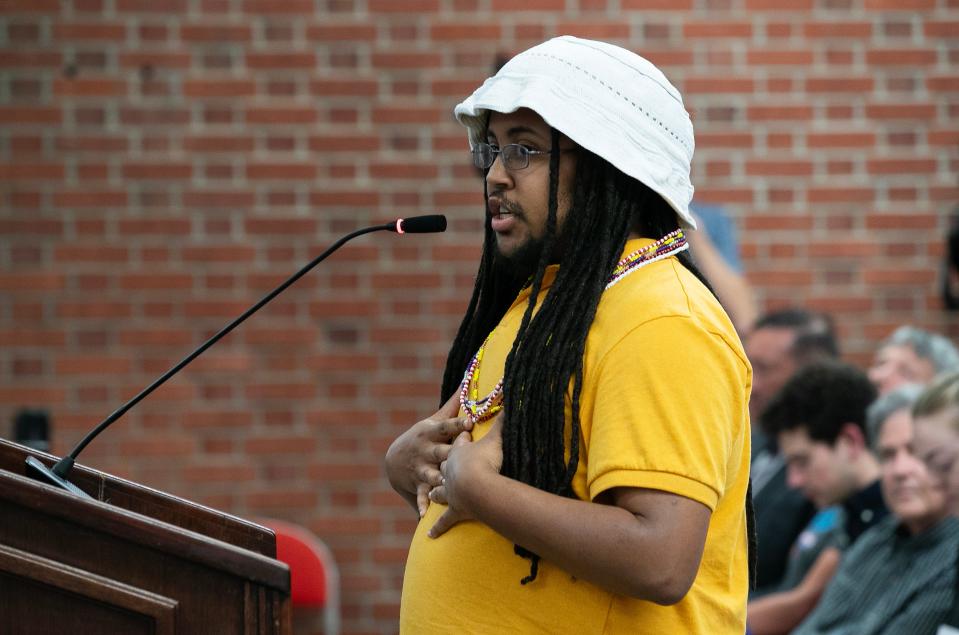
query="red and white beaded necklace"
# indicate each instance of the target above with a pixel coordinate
(479, 410)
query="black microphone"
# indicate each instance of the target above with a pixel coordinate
(58, 475)
(421, 224)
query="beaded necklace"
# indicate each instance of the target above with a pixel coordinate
(479, 410)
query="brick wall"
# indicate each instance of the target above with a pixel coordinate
(164, 163)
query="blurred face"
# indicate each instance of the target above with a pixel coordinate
(895, 366)
(770, 352)
(937, 444)
(819, 470)
(914, 494)
(518, 201)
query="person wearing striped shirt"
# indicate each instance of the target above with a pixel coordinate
(900, 577)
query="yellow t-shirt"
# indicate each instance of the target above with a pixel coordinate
(664, 406)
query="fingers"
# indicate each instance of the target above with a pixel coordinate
(446, 429)
(422, 498)
(438, 495)
(445, 522)
(462, 439)
(429, 475)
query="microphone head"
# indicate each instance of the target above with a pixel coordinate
(421, 224)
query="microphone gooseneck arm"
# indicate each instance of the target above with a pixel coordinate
(420, 224)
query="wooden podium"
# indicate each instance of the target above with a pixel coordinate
(134, 560)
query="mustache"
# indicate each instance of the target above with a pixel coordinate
(505, 204)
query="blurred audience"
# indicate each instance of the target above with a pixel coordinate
(900, 576)
(819, 419)
(781, 343)
(936, 417)
(911, 356)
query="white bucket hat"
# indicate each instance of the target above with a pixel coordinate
(608, 100)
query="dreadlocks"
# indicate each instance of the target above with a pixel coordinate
(545, 364)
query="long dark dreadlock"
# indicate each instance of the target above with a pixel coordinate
(547, 355)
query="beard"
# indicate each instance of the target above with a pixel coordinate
(521, 264)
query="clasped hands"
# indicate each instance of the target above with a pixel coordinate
(437, 460)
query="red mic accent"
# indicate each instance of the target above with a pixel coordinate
(399, 226)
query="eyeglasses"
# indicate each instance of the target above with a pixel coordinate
(513, 155)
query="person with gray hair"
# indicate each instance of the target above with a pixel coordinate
(936, 416)
(912, 355)
(899, 400)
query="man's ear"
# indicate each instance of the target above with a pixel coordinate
(853, 438)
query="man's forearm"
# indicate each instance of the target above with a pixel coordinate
(605, 544)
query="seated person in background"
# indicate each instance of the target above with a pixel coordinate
(819, 418)
(780, 344)
(911, 356)
(936, 417)
(900, 576)
(716, 250)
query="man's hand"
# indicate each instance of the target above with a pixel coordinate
(465, 467)
(413, 459)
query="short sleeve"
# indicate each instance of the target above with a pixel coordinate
(668, 407)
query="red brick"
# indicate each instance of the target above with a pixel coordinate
(297, 8)
(650, 5)
(777, 57)
(841, 140)
(30, 59)
(280, 61)
(92, 365)
(840, 84)
(345, 32)
(777, 222)
(922, 111)
(281, 171)
(34, 171)
(465, 32)
(780, 113)
(155, 59)
(899, 276)
(719, 85)
(712, 29)
(280, 115)
(93, 309)
(153, 171)
(89, 87)
(901, 221)
(88, 31)
(779, 168)
(840, 195)
(156, 280)
(900, 5)
(219, 88)
(410, 7)
(944, 84)
(403, 171)
(344, 87)
(901, 57)
(901, 166)
(944, 28)
(408, 114)
(779, 5)
(344, 198)
(228, 474)
(837, 30)
(407, 60)
(215, 32)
